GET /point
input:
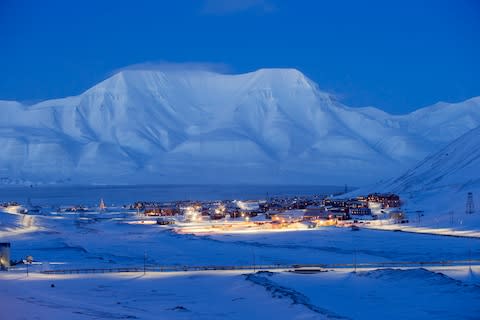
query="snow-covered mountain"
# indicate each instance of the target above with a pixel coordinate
(457, 166)
(172, 126)
(439, 184)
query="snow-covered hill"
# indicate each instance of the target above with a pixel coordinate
(455, 166)
(268, 126)
(438, 185)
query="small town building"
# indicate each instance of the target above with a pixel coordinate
(332, 202)
(315, 213)
(161, 210)
(387, 200)
(357, 204)
(288, 216)
(359, 211)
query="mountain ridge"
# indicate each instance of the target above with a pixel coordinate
(266, 126)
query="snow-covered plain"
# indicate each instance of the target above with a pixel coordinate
(381, 294)
(135, 296)
(378, 294)
(106, 240)
(75, 243)
(269, 126)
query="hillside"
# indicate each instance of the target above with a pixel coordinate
(455, 166)
(438, 185)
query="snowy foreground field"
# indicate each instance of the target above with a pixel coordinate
(378, 294)
(108, 241)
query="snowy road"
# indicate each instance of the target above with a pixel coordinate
(298, 268)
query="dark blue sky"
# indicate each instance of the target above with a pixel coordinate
(396, 55)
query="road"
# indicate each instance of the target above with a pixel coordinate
(293, 267)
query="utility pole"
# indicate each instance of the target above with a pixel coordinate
(470, 260)
(144, 262)
(29, 261)
(355, 260)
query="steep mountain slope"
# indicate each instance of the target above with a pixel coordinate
(437, 187)
(268, 126)
(457, 166)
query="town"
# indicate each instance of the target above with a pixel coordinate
(279, 212)
(272, 213)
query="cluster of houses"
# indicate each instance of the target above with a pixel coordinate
(9, 204)
(359, 208)
(150, 208)
(332, 210)
(15, 207)
(309, 209)
(213, 210)
(315, 209)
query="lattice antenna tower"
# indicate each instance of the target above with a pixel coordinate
(470, 208)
